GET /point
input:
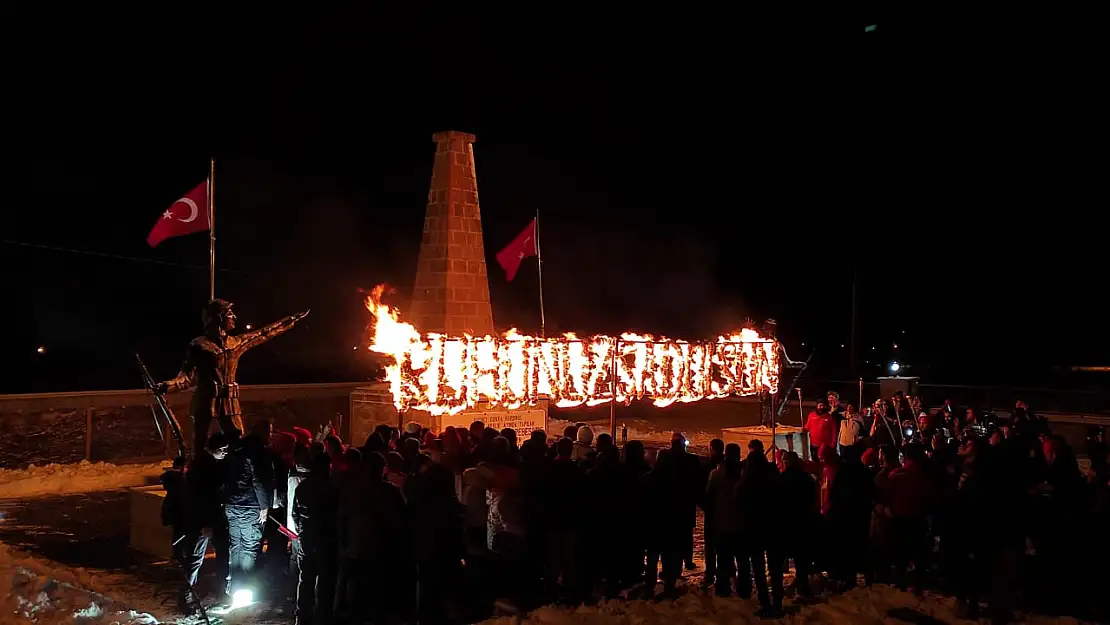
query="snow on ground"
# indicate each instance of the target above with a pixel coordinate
(38, 591)
(41, 592)
(82, 477)
(862, 606)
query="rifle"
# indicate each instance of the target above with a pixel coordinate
(164, 408)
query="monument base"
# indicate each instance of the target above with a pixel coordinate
(788, 437)
(372, 405)
(148, 535)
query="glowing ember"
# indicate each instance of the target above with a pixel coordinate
(445, 375)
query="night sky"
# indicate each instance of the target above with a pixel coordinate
(690, 171)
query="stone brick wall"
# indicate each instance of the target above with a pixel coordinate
(117, 426)
(451, 291)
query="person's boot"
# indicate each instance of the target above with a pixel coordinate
(186, 606)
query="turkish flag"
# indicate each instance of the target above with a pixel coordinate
(187, 215)
(523, 246)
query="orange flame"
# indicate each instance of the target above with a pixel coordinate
(446, 375)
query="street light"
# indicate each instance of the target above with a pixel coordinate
(895, 367)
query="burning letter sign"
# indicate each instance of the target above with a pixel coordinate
(446, 375)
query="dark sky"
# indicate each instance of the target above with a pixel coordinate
(691, 170)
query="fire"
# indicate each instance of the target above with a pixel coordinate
(445, 375)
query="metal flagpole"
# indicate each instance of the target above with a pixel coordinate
(539, 267)
(211, 229)
(613, 403)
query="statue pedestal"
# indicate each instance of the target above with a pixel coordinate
(788, 437)
(148, 535)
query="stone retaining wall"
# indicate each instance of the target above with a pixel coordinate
(117, 426)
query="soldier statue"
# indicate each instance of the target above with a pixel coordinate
(210, 364)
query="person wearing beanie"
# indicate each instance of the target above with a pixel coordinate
(582, 446)
(303, 436)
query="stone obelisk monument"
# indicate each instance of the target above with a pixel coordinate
(451, 292)
(450, 296)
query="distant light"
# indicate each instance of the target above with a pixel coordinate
(842, 344)
(895, 346)
(895, 367)
(872, 348)
(248, 326)
(355, 347)
(41, 349)
(803, 344)
(903, 331)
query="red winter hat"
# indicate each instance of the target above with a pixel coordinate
(303, 436)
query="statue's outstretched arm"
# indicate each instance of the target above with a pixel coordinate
(184, 379)
(261, 335)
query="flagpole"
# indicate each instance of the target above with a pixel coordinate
(539, 268)
(211, 229)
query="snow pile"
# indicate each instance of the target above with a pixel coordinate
(878, 604)
(34, 591)
(82, 477)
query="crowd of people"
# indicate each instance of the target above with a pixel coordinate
(417, 526)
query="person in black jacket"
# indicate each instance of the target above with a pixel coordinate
(175, 514)
(248, 495)
(315, 516)
(192, 508)
(757, 497)
(205, 481)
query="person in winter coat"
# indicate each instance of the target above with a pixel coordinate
(668, 487)
(371, 530)
(433, 511)
(582, 446)
(850, 501)
(757, 496)
(691, 477)
(206, 478)
(911, 495)
(851, 431)
(822, 429)
(605, 499)
(708, 465)
(302, 465)
(248, 496)
(501, 482)
(185, 537)
(315, 518)
(723, 524)
(562, 502)
(799, 514)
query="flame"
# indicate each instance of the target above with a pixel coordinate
(446, 375)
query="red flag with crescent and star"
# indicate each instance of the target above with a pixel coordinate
(187, 215)
(523, 246)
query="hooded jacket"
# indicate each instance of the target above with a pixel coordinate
(250, 478)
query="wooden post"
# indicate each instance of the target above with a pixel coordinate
(88, 433)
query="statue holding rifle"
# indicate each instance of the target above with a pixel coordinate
(210, 365)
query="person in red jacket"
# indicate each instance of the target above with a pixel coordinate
(822, 429)
(911, 496)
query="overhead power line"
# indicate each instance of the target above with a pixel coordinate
(149, 261)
